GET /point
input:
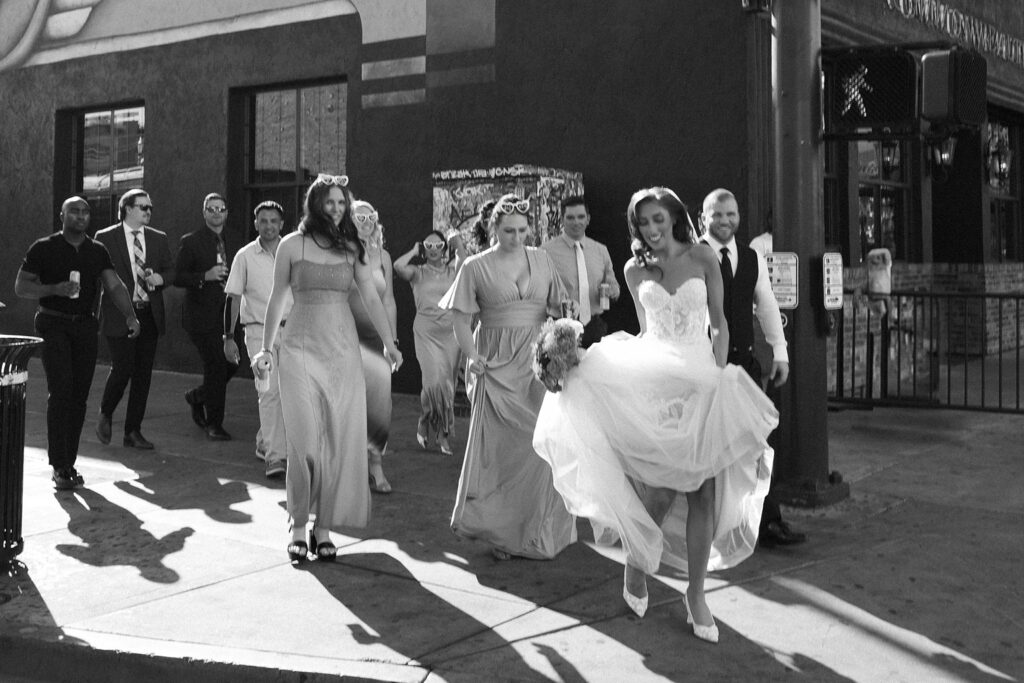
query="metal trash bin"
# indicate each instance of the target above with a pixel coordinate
(15, 353)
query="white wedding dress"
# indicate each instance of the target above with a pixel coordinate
(656, 410)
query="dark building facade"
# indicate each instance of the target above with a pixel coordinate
(253, 101)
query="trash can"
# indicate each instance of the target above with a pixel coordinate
(14, 356)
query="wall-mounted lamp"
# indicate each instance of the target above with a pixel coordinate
(999, 157)
(942, 152)
(890, 152)
(756, 6)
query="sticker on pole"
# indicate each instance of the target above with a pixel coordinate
(783, 268)
(832, 280)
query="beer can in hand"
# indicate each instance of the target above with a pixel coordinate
(606, 291)
(262, 375)
(76, 277)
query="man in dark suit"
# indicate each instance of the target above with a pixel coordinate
(747, 288)
(201, 269)
(142, 259)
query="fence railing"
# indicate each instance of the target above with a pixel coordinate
(931, 350)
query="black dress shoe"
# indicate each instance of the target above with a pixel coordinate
(198, 409)
(137, 440)
(217, 433)
(103, 429)
(779, 533)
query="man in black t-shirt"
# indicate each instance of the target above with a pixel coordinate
(65, 272)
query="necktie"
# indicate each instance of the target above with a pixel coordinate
(139, 261)
(583, 284)
(727, 274)
(222, 255)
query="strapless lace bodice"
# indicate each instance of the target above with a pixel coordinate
(679, 318)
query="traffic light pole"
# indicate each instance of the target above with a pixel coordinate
(801, 442)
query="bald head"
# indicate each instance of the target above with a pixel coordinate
(719, 195)
(74, 215)
(73, 200)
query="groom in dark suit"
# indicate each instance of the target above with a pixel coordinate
(746, 288)
(142, 259)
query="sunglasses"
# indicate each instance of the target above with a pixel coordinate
(144, 207)
(216, 209)
(365, 217)
(433, 246)
(508, 206)
(327, 179)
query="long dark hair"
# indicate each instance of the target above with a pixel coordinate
(318, 225)
(682, 227)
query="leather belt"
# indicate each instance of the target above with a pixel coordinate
(73, 317)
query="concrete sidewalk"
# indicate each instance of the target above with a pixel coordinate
(171, 565)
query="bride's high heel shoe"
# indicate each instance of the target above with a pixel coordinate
(421, 434)
(638, 605)
(708, 633)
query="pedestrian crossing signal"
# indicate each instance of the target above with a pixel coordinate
(870, 92)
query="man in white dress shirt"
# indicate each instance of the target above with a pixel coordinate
(247, 292)
(746, 286)
(583, 265)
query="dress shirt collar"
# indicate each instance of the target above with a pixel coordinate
(717, 246)
(571, 242)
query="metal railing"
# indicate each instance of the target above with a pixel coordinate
(959, 351)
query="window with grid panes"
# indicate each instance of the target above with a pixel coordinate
(884, 199)
(1003, 178)
(294, 133)
(109, 158)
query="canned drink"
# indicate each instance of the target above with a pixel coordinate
(606, 291)
(262, 375)
(76, 277)
(147, 272)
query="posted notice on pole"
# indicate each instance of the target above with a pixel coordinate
(783, 268)
(832, 280)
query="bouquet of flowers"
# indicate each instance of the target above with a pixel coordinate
(556, 352)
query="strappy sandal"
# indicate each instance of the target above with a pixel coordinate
(298, 551)
(324, 551)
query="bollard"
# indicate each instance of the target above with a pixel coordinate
(14, 356)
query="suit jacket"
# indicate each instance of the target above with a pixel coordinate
(158, 257)
(202, 311)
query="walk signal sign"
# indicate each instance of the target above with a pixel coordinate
(870, 92)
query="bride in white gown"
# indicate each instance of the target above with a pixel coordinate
(642, 419)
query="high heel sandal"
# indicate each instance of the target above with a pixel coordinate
(638, 605)
(298, 551)
(708, 633)
(421, 435)
(443, 444)
(378, 482)
(325, 551)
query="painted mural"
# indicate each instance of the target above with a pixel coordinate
(458, 195)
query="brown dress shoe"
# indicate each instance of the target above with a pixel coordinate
(137, 440)
(103, 429)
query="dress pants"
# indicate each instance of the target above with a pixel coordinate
(770, 511)
(593, 331)
(217, 370)
(69, 361)
(131, 360)
(271, 416)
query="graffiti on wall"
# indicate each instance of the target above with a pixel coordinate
(459, 194)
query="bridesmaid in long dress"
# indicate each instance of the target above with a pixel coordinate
(321, 377)
(376, 366)
(436, 348)
(505, 496)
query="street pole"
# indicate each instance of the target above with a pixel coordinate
(801, 464)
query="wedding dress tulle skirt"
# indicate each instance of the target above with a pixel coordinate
(639, 412)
